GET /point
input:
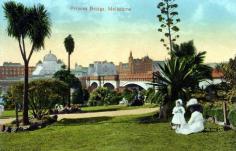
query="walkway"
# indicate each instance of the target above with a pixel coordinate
(97, 114)
(108, 113)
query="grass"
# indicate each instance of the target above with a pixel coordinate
(114, 108)
(128, 133)
(11, 113)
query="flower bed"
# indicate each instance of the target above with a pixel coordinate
(34, 125)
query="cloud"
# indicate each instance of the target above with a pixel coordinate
(198, 14)
(229, 5)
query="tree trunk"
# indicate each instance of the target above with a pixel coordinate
(17, 117)
(226, 120)
(25, 96)
(69, 99)
(69, 62)
(165, 111)
(169, 30)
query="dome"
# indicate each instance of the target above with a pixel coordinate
(50, 57)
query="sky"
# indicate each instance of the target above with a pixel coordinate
(105, 35)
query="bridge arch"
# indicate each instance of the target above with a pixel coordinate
(93, 85)
(134, 86)
(109, 86)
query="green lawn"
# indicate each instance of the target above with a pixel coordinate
(9, 114)
(129, 133)
(114, 108)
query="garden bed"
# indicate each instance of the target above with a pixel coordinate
(34, 125)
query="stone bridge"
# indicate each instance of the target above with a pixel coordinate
(139, 81)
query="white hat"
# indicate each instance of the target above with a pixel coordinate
(192, 101)
(180, 101)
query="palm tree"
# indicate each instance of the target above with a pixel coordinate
(181, 75)
(32, 23)
(69, 45)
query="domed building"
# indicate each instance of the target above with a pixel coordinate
(48, 66)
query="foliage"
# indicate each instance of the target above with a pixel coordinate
(14, 95)
(85, 95)
(72, 82)
(214, 112)
(27, 22)
(154, 97)
(229, 71)
(128, 94)
(43, 95)
(77, 96)
(69, 45)
(168, 18)
(232, 117)
(181, 74)
(104, 96)
(231, 95)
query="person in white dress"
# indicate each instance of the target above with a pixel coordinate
(178, 112)
(196, 122)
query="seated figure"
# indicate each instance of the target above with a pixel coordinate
(196, 122)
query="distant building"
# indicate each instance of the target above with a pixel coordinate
(13, 70)
(102, 68)
(135, 66)
(80, 71)
(143, 65)
(48, 66)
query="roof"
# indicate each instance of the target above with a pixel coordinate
(216, 74)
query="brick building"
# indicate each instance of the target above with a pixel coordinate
(9, 70)
(136, 66)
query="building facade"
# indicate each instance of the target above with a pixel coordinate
(102, 68)
(48, 66)
(136, 66)
(13, 70)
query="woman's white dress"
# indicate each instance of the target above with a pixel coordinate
(194, 125)
(178, 117)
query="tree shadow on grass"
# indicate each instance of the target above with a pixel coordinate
(150, 119)
(82, 121)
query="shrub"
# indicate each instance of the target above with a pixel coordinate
(128, 95)
(154, 97)
(43, 95)
(213, 112)
(14, 95)
(232, 117)
(104, 96)
(77, 96)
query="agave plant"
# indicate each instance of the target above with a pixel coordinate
(181, 75)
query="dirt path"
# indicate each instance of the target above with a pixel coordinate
(97, 114)
(6, 121)
(108, 113)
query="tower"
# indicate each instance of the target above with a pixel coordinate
(131, 63)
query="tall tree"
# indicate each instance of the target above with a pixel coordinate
(69, 45)
(70, 80)
(32, 23)
(168, 18)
